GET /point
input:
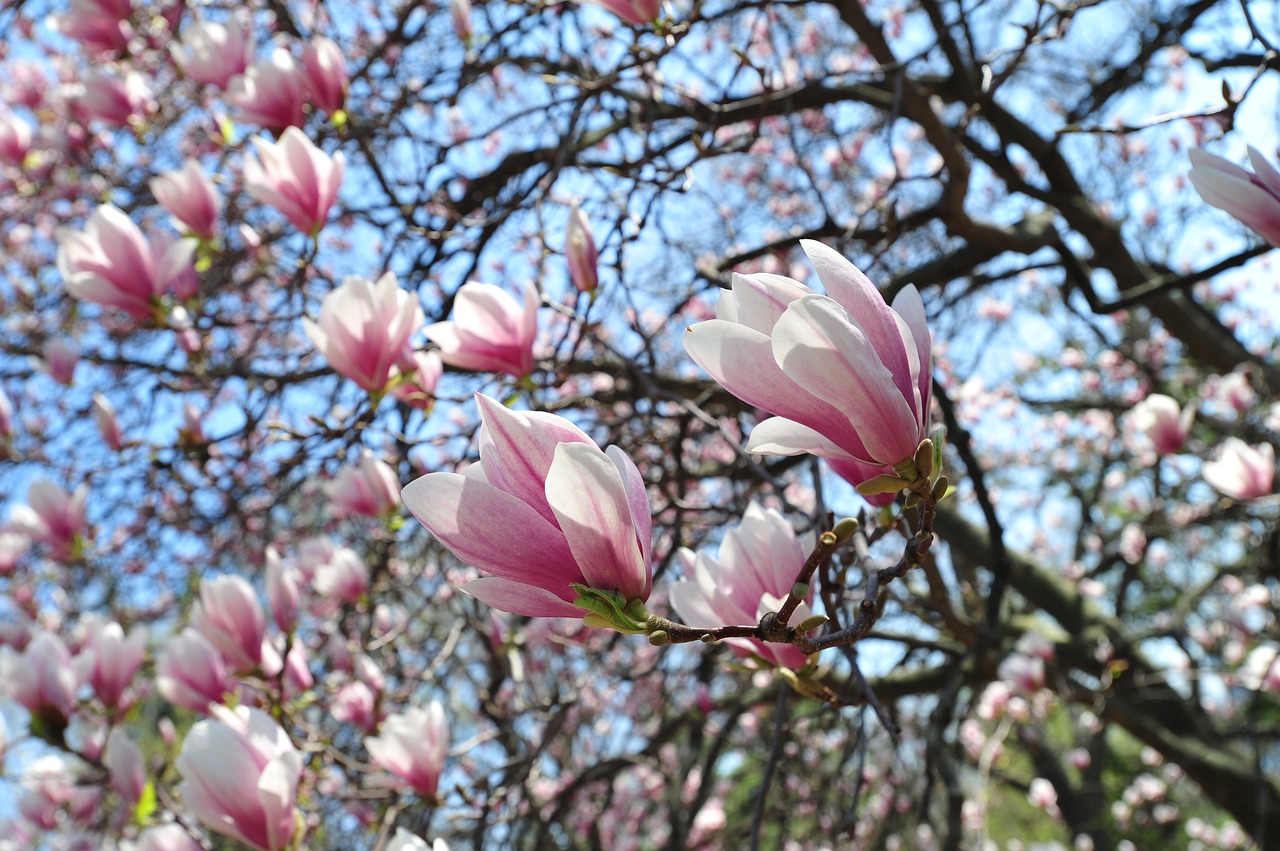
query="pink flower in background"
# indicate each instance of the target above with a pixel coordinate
(229, 615)
(638, 12)
(112, 264)
(415, 384)
(1024, 674)
(125, 767)
(109, 660)
(365, 327)
(369, 489)
(543, 508)
(100, 25)
(269, 93)
(61, 357)
(15, 139)
(13, 546)
(460, 13)
(165, 837)
(326, 73)
(213, 53)
(580, 252)
(413, 745)
(847, 376)
(240, 777)
(108, 423)
(191, 672)
(117, 101)
(41, 679)
(53, 517)
(296, 178)
(757, 566)
(1252, 198)
(1160, 419)
(489, 331)
(190, 197)
(282, 590)
(1242, 472)
(6, 415)
(344, 578)
(356, 704)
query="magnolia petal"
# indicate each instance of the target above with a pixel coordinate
(781, 436)
(507, 595)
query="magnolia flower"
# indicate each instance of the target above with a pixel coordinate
(344, 578)
(117, 101)
(415, 382)
(1241, 471)
(282, 590)
(127, 772)
(406, 841)
(757, 566)
(489, 331)
(61, 357)
(104, 414)
(213, 53)
(296, 178)
(6, 415)
(240, 777)
(53, 517)
(189, 196)
(100, 25)
(364, 329)
(460, 13)
(269, 93)
(163, 837)
(325, 76)
(112, 264)
(847, 376)
(580, 252)
(1161, 421)
(229, 615)
(413, 746)
(1252, 198)
(41, 679)
(109, 661)
(632, 11)
(191, 672)
(368, 489)
(542, 509)
(15, 139)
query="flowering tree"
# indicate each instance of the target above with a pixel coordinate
(629, 426)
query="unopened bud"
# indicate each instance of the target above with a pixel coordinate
(924, 458)
(800, 590)
(844, 529)
(882, 484)
(811, 623)
(659, 637)
(913, 499)
(940, 488)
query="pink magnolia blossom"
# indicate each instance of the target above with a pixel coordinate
(1162, 422)
(213, 53)
(580, 252)
(119, 101)
(125, 767)
(297, 670)
(6, 416)
(460, 13)
(847, 376)
(489, 331)
(543, 508)
(109, 661)
(190, 197)
(369, 489)
(13, 545)
(757, 566)
(112, 264)
(229, 615)
(54, 517)
(270, 92)
(356, 704)
(1023, 673)
(325, 76)
(191, 672)
(282, 590)
(638, 12)
(413, 745)
(104, 414)
(1253, 198)
(100, 25)
(15, 139)
(364, 328)
(61, 357)
(1242, 472)
(296, 178)
(344, 578)
(240, 777)
(41, 679)
(415, 383)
